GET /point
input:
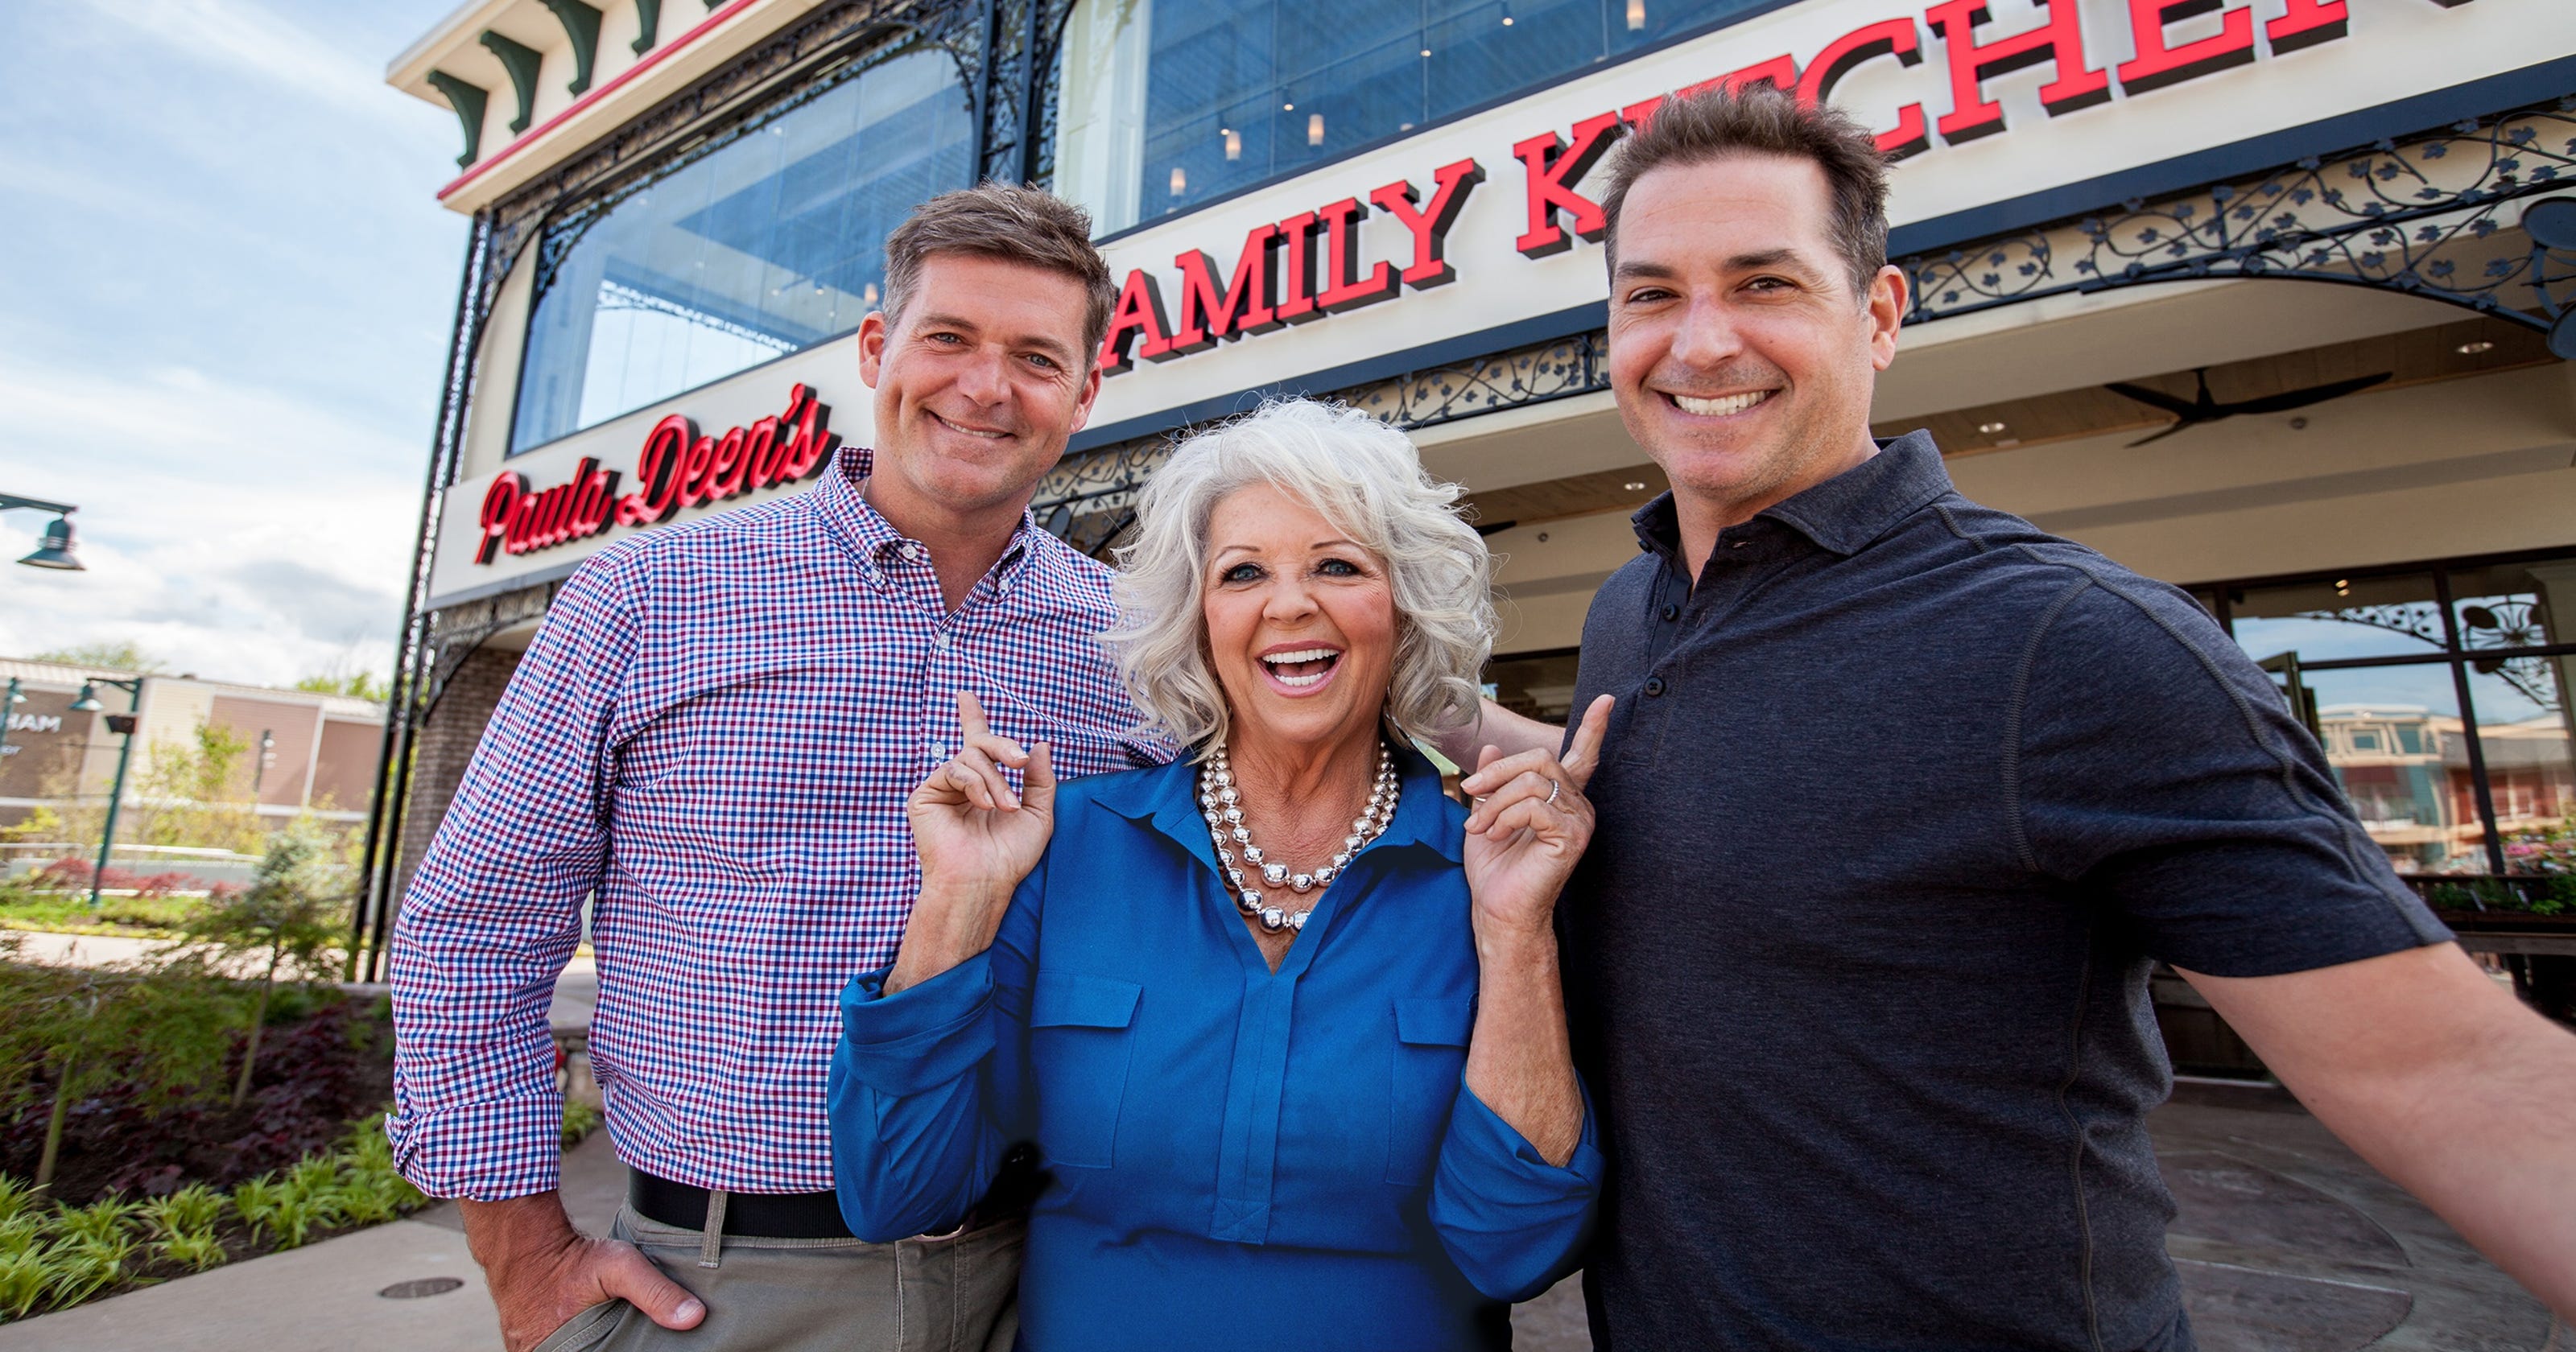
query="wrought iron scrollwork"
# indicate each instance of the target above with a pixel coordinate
(792, 67)
(2423, 215)
(1089, 499)
(1537, 374)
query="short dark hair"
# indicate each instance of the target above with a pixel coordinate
(1005, 221)
(1760, 120)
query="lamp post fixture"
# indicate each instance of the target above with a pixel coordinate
(88, 704)
(57, 550)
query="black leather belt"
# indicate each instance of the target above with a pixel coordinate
(813, 1215)
(768, 1215)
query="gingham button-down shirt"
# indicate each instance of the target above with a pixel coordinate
(715, 732)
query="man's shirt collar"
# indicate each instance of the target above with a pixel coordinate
(845, 508)
(1844, 513)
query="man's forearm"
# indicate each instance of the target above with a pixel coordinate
(2445, 1083)
(1498, 726)
(508, 1234)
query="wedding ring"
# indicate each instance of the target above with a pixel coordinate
(1554, 788)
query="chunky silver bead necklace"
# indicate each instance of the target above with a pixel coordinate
(1222, 804)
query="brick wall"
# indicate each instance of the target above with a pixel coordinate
(443, 746)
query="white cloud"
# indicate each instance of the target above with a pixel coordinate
(233, 530)
(259, 45)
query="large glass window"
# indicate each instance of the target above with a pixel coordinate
(769, 243)
(2440, 696)
(1165, 104)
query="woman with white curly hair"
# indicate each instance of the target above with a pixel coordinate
(1281, 1021)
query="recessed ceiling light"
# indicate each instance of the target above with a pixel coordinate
(1287, 107)
(1990, 428)
(1426, 51)
(1636, 485)
(2471, 349)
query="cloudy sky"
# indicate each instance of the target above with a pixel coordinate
(224, 300)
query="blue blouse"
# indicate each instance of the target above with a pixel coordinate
(1239, 1159)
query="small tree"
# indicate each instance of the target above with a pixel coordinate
(197, 792)
(85, 1028)
(292, 915)
(355, 684)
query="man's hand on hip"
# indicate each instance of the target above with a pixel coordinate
(543, 1272)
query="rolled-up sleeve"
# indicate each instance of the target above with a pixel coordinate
(1512, 1222)
(495, 910)
(912, 1145)
(927, 1085)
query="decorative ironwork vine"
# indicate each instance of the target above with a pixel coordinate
(2493, 624)
(1089, 499)
(2422, 215)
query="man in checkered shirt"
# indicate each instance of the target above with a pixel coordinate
(715, 733)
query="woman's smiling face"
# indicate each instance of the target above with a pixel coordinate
(1300, 620)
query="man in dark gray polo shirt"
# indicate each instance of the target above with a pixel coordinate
(1901, 799)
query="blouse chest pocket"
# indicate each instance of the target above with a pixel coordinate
(1080, 1040)
(1430, 1060)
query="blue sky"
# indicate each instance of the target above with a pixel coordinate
(223, 307)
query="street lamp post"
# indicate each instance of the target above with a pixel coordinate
(88, 704)
(57, 550)
(8, 710)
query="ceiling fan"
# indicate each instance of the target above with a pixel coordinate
(2202, 409)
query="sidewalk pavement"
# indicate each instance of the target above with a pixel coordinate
(2286, 1242)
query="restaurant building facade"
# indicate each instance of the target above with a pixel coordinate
(2265, 298)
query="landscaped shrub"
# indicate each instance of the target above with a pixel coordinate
(68, 1032)
(293, 915)
(52, 1257)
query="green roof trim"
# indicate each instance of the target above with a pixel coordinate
(648, 14)
(581, 24)
(521, 62)
(468, 100)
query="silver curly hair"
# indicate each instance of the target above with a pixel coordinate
(1367, 479)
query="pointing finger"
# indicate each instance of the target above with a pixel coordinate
(970, 714)
(1039, 793)
(1585, 755)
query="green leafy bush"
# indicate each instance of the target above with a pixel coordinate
(190, 1210)
(195, 1250)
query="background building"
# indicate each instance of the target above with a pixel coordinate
(276, 755)
(2265, 300)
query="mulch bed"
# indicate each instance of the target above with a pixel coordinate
(318, 1071)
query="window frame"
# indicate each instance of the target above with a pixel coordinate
(1751, 12)
(2220, 597)
(828, 72)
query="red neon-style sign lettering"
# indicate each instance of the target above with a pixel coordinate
(2157, 65)
(1553, 167)
(2059, 42)
(1429, 225)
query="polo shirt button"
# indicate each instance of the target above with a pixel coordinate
(1671, 612)
(1654, 685)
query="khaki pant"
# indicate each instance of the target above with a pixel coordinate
(957, 1293)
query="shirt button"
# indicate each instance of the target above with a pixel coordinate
(912, 552)
(1654, 685)
(939, 639)
(1672, 613)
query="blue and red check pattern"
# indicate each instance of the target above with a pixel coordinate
(715, 731)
